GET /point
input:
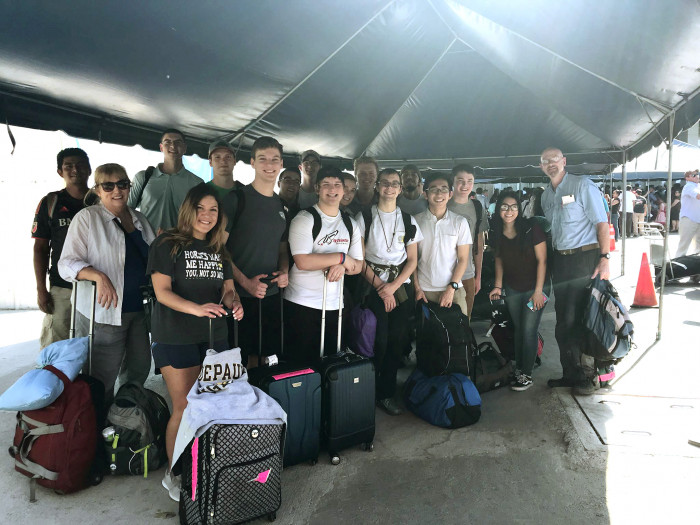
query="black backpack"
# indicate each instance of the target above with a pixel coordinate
(316, 228)
(139, 417)
(491, 369)
(445, 342)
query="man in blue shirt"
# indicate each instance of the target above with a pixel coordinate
(580, 236)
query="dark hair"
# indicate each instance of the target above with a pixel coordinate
(348, 176)
(173, 130)
(411, 167)
(432, 177)
(388, 171)
(329, 172)
(459, 168)
(494, 197)
(293, 169)
(265, 143)
(521, 224)
(70, 152)
(365, 160)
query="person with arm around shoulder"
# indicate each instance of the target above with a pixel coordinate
(193, 281)
(108, 243)
(521, 267)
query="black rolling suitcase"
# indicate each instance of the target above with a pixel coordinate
(232, 474)
(298, 391)
(348, 393)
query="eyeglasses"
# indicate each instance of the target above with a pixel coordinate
(506, 207)
(435, 190)
(553, 160)
(123, 184)
(289, 180)
(309, 163)
(387, 184)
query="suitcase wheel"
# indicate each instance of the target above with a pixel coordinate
(13, 451)
(313, 462)
(272, 516)
(335, 459)
(367, 447)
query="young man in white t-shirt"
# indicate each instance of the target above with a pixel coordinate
(336, 248)
(391, 254)
(444, 252)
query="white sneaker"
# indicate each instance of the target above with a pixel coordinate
(172, 485)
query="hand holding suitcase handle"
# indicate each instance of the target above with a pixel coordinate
(326, 278)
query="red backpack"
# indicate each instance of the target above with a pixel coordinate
(55, 446)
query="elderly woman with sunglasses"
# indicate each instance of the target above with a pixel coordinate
(108, 243)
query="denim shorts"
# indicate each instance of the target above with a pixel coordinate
(183, 356)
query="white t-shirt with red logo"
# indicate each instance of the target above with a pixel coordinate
(306, 287)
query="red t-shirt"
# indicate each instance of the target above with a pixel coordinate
(520, 267)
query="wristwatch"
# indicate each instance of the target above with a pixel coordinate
(455, 286)
(604, 256)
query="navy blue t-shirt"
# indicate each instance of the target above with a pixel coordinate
(134, 271)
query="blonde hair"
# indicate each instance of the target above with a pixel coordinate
(182, 235)
(101, 174)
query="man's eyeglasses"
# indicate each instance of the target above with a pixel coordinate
(123, 184)
(435, 190)
(289, 180)
(387, 184)
(309, 163)
(553, 160)
(506, 207)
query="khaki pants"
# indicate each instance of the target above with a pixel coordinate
(460, 298)
(469, 290)
(55, 326)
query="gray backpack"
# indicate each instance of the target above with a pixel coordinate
(139, 418)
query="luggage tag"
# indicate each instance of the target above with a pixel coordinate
(567, 199)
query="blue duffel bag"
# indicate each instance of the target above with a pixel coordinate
(449, 401)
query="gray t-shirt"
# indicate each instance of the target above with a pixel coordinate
(254, 241)
(306, 199)
(412, 206)
(162, 196)
(468, 211)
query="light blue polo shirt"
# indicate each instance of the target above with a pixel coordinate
(573, 224)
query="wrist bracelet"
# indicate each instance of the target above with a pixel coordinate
(342, 258)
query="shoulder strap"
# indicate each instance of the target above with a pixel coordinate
(367, 217)
(51, 200)
(409, 228)
(240, 206)
(478, 208)
(348, 224)
(147, 177)
(316, 228)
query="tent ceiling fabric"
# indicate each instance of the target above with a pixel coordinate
(430, 81)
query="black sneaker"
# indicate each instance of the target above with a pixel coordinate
(557, 383)
(390, 406)
(585, 387)
(522, 382)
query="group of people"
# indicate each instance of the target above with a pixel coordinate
(220, 253)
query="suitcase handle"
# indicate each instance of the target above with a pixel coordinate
(323, 312)
(229, 313)
(91, 329)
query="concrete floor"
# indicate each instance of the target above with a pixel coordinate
(532, 458)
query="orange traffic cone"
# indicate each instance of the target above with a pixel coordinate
(612, 238)
(645, 296)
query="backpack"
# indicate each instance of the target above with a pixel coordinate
(147, 177)
(55, 446)
(491, 369)
(139, 418)
(607, 324)
(479, 209)
(449, 401)
(363, 331)
(408, 227)
(445, 342)
(316, 228)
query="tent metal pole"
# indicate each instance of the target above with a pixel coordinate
(669, 182)
(624, 209)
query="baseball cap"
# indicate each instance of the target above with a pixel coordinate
(310, 153)
(220, 144)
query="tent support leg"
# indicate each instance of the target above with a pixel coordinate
(623, 210)
(669, 182)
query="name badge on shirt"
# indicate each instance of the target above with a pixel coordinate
(567, 199)
(401, 239)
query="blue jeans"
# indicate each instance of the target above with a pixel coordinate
(526, 323)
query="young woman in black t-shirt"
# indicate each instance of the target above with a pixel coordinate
(193, 281)
(521, 267)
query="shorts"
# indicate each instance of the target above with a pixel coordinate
(183, 356)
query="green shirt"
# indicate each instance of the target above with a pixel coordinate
(222, 192)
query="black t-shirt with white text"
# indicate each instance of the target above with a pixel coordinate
(197, 275)
(55, 228)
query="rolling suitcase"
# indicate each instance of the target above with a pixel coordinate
(232, 474)
(298, 391)
(348, 393)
